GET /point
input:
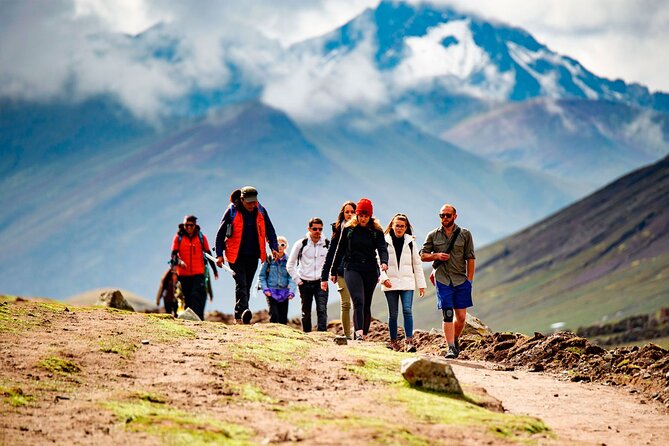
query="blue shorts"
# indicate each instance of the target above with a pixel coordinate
(458, 297)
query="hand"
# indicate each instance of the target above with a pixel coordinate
(333, 279)
(290, 296)
(215, 275)
(442, 256)
(300, 283)
(275, 254)
(387, 283)
(421, 292)
(268, 293)
(324, 285)
(219, 261)
(384, 267)
(182, 263)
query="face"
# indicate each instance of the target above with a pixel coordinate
(249, 206)
(363, 219)
(399, 227)
(348, 212)
(282, 246)
(316, 230)
(189, 226)
(447, 215)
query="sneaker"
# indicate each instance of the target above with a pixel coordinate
(247, 316)
(451, 353)
(409, 347)
(358, 337)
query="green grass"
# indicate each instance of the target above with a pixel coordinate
(14, 396)
(383, 365)
(151, 397)
(122, 347)
(251, 393)
(59, 366)
(176, 427)
(273, 344)
(160, 329)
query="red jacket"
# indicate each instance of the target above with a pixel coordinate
(190, 251)
(232, 244)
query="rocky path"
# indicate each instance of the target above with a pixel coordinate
(585, 413)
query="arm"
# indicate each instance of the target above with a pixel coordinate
(207, 249)
(471, 268)
(382, 249)
(262, 275)
(221, 234)
(270, 233)
(329, 258)
(291, 265)
(418, 273)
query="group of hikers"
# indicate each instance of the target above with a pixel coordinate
(359, 255)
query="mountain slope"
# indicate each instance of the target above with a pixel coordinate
(583, 141)
(605, 257)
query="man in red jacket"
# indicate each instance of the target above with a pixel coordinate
(244, 231)
(188, 248)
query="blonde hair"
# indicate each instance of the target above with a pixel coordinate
(353, 222)
(282, 238)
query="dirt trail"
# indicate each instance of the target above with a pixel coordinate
(143, 379)
(585, 413)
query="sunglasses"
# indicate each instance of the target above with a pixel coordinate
(400, 226)
(445, 215)
(189, 225)
(316, 229)
(282, 245)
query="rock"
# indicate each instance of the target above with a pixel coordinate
(536, 367)
(189, 315)
(340, 340)
(114, 299)
(474, 326)
(430, 373)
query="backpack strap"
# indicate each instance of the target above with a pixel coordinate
(451, 243)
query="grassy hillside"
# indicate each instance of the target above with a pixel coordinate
(89, 375)
(605, 257)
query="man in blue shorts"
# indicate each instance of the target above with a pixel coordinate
(451, 251)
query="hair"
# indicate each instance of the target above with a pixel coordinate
(353, 222)
(340, 217)
(190, 218)
(280, 238)
(450, 206)
(315, 221)
(402, 217)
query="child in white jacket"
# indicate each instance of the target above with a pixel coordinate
(405, 271)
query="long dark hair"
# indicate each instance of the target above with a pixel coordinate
(340, 218)
(402, 217)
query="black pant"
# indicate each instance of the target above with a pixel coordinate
(308, 291)
(195, 293)
(278, 311)
(361, 286)
(245, 268)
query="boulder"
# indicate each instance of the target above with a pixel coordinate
(340, 340)
(189, 315)
(114, 299)
(475, 327)
(431, 373)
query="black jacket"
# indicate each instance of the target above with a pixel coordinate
(357, 248)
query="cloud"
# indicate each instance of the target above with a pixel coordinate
(313, 89)
(611, 38)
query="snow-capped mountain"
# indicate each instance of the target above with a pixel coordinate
(430, 49)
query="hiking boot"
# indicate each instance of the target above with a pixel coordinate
(393, 345)
(247, 316)
(451, 353)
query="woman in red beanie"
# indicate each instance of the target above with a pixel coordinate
(361, 239)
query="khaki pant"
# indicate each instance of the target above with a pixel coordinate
(345, 305)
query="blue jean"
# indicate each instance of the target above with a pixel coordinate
(406, 296)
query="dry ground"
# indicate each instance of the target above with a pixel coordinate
(101, 376)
